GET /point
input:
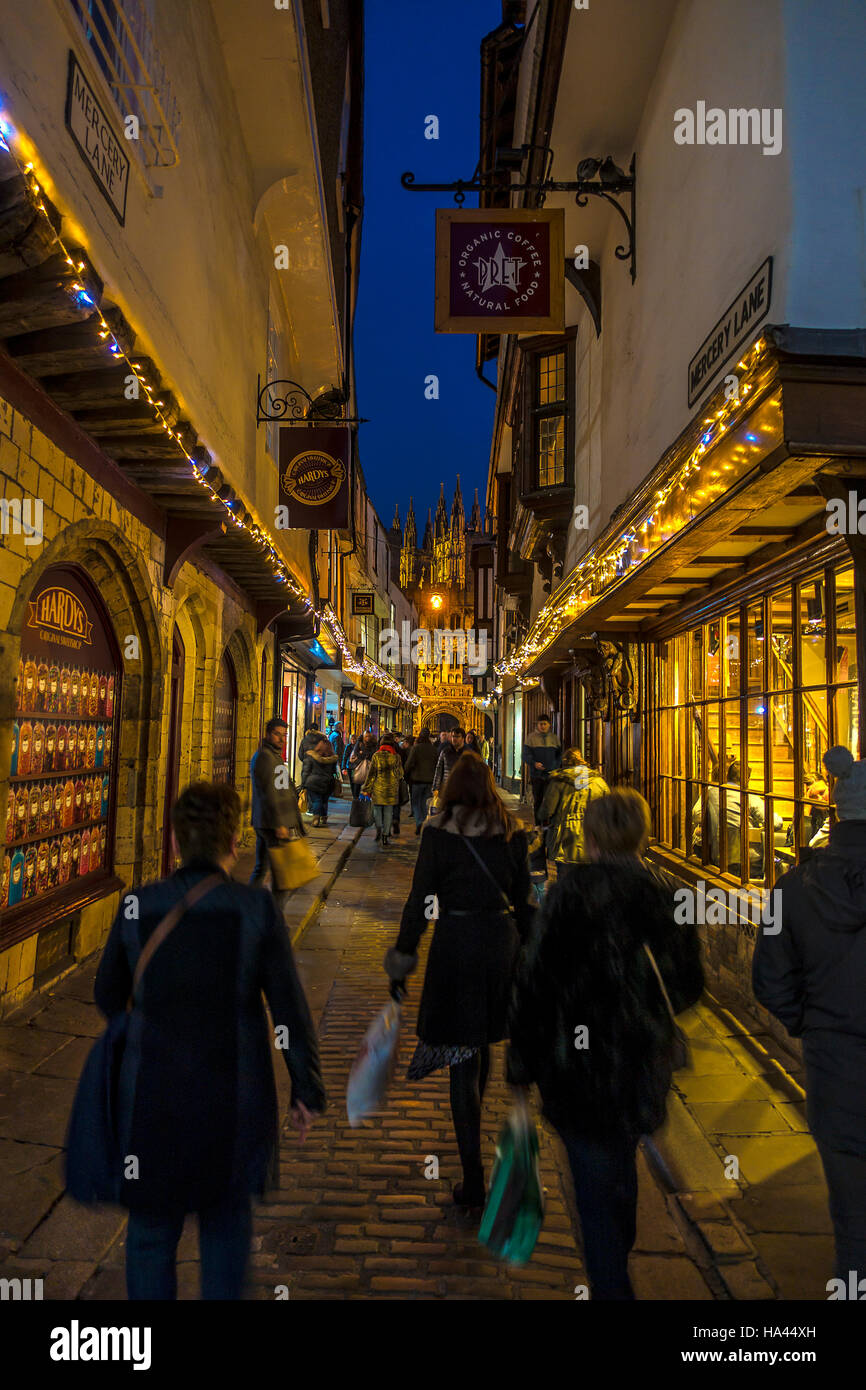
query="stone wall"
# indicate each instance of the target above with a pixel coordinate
(84, 525)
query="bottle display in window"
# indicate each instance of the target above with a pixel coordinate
(25, 748)
(50, 748)
(16, 878)
(37, 756)
(59, 798)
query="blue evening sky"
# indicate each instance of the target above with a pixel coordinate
(422, 59)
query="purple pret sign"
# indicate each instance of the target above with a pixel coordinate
(499, 268)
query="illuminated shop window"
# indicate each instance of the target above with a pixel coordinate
(745, 706)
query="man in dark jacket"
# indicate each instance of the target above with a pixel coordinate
(451, 751)
(418, 771)
(812, 975)
(542, 753)
(275, 801)
(197, 1104)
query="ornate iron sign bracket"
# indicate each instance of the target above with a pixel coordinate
(295, 406)
(596, 178)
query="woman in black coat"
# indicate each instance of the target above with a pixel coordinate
(319, 776)
(472, 879)
(197, 1107)
(590, 1026)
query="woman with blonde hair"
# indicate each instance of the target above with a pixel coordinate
(592, 1027)
(472, 880)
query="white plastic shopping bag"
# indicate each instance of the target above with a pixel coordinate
(374, 1065)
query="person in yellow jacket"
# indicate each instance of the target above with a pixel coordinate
(383, 785)
(569, 791)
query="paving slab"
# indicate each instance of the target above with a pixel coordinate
(36, 1109)
(86, 1232)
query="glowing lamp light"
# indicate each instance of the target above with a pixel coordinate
(436, 601)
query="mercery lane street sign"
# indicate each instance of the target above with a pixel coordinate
(732, 331)
(99, 146)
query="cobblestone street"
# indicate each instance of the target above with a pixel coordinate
(355, 1215)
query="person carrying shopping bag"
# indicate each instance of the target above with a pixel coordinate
(382, 785)
(472, 870)
(358, 764)
(592, 1023)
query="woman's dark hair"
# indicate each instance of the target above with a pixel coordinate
(388, 741)
(424, 736)
(205, 820)
(470, 787)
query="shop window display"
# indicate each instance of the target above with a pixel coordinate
(61, 784)
(745, 708)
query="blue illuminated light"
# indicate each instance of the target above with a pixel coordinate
(752, 438)
(760, 709)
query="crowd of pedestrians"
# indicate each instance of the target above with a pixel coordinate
(585, 989)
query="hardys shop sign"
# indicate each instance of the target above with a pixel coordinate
(500, 272)
(314, 478)
(61, 617)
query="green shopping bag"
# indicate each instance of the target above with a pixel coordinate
(515, 1206)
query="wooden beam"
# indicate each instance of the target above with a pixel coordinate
(137, 447)
(96, 389)
(26, 395)
(183, 537)
(128, 417)
(27, 238)
(769, 533)
(73, 347)
(43, 296)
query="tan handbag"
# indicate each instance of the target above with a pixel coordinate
(302, 801)
(292, 864)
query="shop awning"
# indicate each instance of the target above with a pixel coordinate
(742, 485)
(66, 362)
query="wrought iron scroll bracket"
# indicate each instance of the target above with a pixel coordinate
(297, 407)
(608, 187)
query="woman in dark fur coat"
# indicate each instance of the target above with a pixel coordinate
(590, 1026)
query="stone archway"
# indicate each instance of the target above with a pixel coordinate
(241, 650)
(117, 570)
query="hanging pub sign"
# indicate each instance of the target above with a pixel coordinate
(314, 478)
(733, 330)
(362, 602)
(98, 145)
(500, 271)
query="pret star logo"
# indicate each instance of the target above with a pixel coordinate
(58, 610)
(499, 270)
(313, 478)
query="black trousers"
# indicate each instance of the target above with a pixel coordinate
(468, 1082)
(605, 1190)
(539, 787)
(846, 1180)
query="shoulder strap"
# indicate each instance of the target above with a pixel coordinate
(658, 975)
(506, 900)
(169, 922)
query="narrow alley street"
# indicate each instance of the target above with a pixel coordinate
(356, 1217)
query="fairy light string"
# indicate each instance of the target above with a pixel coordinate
(257, 533)
(604, 564)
